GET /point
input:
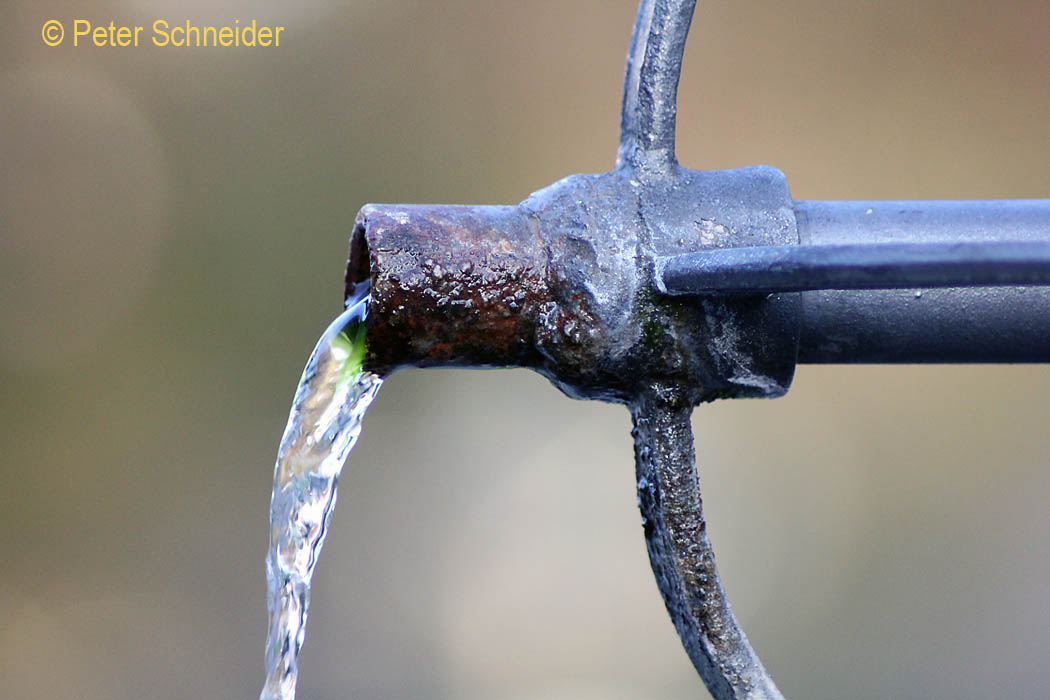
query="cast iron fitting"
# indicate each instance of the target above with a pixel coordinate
(565, 283)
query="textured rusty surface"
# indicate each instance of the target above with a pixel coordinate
(451, 285)
(565, 283)
(571, 283)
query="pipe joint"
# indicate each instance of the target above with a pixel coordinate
(564, 283)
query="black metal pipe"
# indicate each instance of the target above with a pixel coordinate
(770, 269)
(949, 325)
(860, 222)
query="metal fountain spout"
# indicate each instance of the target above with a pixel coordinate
(660, 288)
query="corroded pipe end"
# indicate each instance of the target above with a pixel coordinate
(563, 283)
(451, 285)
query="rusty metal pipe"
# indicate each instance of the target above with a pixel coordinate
(569, 283)
(563, 283)
(451, 285)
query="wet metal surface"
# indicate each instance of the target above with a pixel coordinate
(650, 89)
(451, 285)
(563, 283)
(573, 283)
(680, 551)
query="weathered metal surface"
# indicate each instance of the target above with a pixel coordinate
(650, 89)
(680, 551)
(572, 282)
(752, 341)
(563, 284)
(451, 285)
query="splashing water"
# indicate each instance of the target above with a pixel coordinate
(323, 426)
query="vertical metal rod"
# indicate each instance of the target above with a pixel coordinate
(668, 490)
(650, 90)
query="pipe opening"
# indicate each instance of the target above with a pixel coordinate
(358, 266)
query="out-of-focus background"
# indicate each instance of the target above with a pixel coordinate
(173, 228)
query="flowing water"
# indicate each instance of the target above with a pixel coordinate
(323, 426)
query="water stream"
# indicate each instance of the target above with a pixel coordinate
(323, 426)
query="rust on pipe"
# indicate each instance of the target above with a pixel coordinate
(563, 283)
(451, 285)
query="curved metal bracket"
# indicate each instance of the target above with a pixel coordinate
(668, 489)
(681, 553)
(650, 89)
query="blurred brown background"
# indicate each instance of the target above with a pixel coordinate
(173, 228)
